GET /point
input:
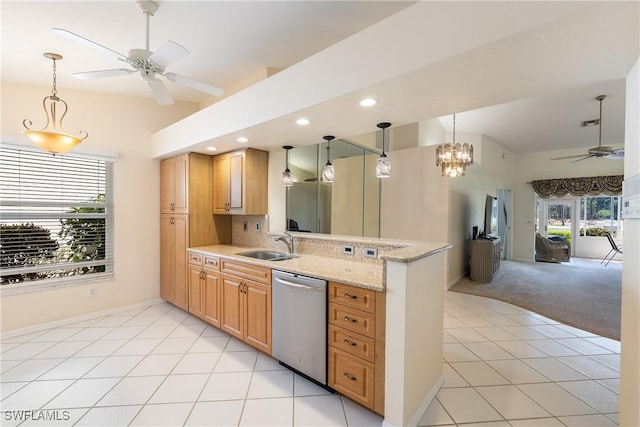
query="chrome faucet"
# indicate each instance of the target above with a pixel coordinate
(287, 241)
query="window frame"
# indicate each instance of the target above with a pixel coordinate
(108, 160)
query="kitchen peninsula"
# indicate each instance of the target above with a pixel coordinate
(406, 280)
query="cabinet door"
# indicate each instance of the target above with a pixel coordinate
(220, 184)
(180, 229)
(257, 315)
(236, 182)
(231, 305)
(212, 297)
(196, 288)
(173, 185)
(180, 184)
(166, 257)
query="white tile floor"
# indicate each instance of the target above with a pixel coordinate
(503, 366)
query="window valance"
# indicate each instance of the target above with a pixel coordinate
(590, 185)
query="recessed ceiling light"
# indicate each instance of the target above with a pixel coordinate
(368, 102)
(302, 121)
(242, 139)
(211, 148)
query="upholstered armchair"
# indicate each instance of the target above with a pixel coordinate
(552, 250)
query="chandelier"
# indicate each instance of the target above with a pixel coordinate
(453, 157)
(52, 137)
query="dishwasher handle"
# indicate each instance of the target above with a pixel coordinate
(298, 285)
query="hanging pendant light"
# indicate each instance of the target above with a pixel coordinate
(328, 171)
(287, 176)
(52, 137)
(383, 164)
(454, 158)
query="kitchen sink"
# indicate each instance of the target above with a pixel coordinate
(268, 255)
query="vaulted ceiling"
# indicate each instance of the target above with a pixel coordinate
(594, 44)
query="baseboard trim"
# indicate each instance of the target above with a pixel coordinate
(57, 323)
(422, 409)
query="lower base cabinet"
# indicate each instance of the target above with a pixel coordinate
(246, 303)
(356, 344)
(204, 288)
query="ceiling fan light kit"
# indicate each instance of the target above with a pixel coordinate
(148, 64)
(601, 150)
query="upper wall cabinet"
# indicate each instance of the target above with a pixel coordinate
(174, 196)
(240, 182)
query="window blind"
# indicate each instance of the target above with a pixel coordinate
(56, 217)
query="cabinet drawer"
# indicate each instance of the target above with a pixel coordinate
(352, 343)
(352, 377)
(211, 263)
(195, 258)
(353, 320)
(246, 271)
(354, 297)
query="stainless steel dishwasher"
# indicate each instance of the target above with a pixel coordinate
(299, 316)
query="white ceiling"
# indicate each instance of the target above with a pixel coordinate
(229, 41)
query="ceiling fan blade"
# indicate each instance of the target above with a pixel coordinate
(571, 157)
(168, 53)
(587, 156)
(87, 42)
(617, 154)
(90, 75)
(195, 84)
(160, 93)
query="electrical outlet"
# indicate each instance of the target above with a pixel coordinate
(257, 226)
(245, 226)
(348, 249)
(371, 252)
(93, 292)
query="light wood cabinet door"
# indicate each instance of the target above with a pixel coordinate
(257, 315)
(212, 313)
(236, 183)
(221, 176)
(180, 228)
(196, 290)
(352, 377)
(174, 232)
(174, 174)
(231, 305)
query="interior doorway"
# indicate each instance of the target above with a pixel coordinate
(504, 221)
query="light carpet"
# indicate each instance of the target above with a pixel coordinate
(582, 293)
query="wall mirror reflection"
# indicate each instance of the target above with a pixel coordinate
(350, 205)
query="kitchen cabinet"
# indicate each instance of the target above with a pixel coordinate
(240, 182)
(204, 288)
(186, 221)
(174, 232)
(356, 344)
(246, 303)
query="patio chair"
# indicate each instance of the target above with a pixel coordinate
(615, 249)
(552, 251)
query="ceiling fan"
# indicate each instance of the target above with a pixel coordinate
(600, 150)
(148, 64)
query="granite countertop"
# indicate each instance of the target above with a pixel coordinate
(361, 274)
(364, 275)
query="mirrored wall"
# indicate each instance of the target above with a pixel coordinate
(348, 206)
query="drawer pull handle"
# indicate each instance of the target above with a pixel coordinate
(346, 375)
(352, 343)
(351, 296)
(352, 319)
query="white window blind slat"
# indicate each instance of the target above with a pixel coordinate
(56, 216)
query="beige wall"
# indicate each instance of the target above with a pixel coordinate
(630, 333)
(115, 124)
(415, 198)
(493, 168)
